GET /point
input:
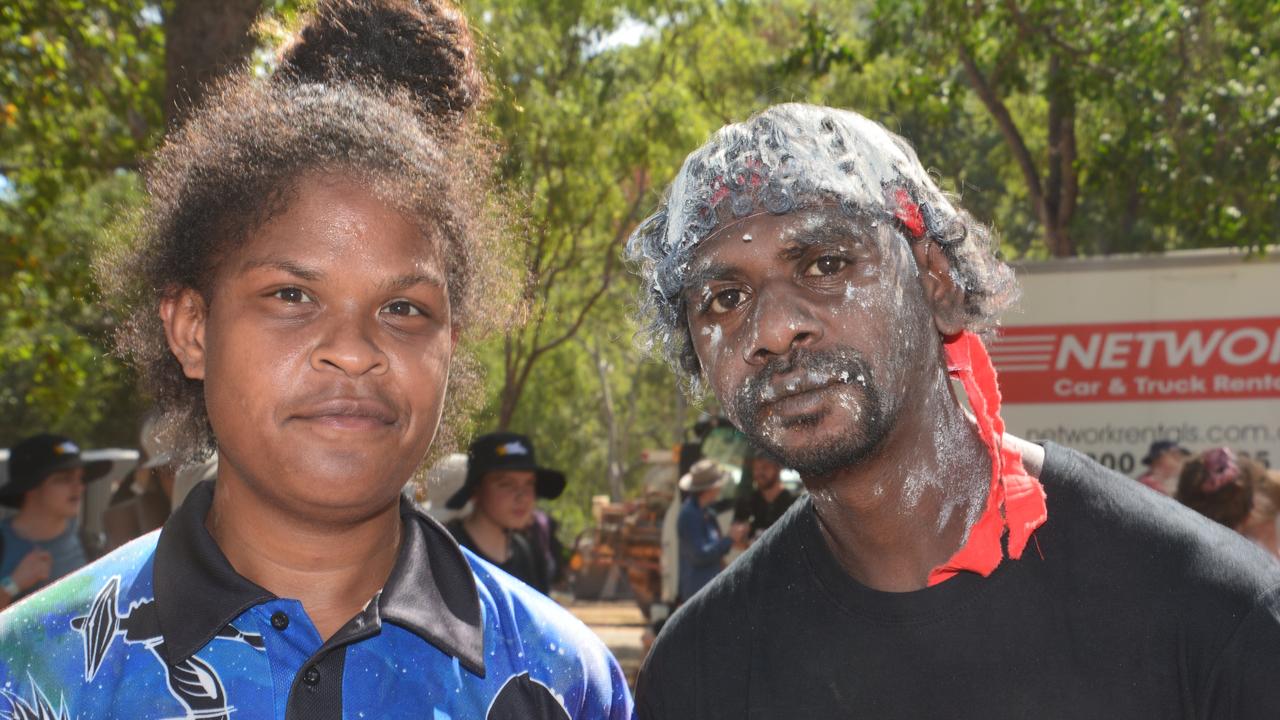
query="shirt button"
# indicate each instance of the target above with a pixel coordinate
(279, 620)
(311, 676)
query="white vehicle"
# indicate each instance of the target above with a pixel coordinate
(1109, 354)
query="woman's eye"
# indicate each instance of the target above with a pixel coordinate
(826, 265)
(725, 300)
(292, 295)
(403, 308)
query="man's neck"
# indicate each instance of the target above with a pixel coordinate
(39, 527)
(891, 518)
(332, 569)
(492, 539)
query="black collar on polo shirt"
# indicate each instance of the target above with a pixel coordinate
(431, 591)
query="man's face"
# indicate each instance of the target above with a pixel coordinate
(810, 331)
(59, 495)
(326, 353)
(765, 473)
(508, 497)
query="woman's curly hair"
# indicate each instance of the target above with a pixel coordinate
(790, 157)
(384, 91)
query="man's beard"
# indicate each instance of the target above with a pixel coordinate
(863, 437)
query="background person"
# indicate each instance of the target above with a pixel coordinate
(143, 501)
(1263, 524)
(41, 543)
(702, 545)
(503, 483)
(1164, 461)
(768, 499)
(1220, 485)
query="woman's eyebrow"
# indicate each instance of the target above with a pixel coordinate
(404, 282)
(288, 266)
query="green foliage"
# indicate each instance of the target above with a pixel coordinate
(1170, 109)
(79, 105)
(55, 372)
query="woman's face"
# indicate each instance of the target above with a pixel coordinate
(324, 351)
(507, 497)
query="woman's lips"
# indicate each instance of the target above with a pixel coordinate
(351, 414)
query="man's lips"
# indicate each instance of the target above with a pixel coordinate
(787, 388)
(348, 413)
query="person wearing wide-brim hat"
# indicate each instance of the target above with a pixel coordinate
(503, 481)
(702, 546)
(46, 484)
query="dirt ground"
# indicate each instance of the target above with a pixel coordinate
(620, 625)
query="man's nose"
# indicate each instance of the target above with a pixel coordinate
(780, 322)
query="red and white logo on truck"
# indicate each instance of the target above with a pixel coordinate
(1217, 359)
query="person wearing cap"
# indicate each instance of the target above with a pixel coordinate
(807, 270)
(1164, 461)
(503, 481)
(41, 543)
(702, 545)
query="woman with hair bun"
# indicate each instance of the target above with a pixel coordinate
(314, 244)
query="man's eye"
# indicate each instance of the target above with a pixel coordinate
(403, 308)
(292, 295)
(826, 265)
(725, 300)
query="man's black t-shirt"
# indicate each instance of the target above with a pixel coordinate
(1124, 605)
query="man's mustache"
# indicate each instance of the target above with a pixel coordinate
(800, 371)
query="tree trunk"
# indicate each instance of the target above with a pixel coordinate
(203, 40)
(1054, 199)
(1061, 185)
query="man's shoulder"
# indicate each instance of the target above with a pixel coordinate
(1146, 537)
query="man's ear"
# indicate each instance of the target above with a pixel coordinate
(184, 314)
(944, 295)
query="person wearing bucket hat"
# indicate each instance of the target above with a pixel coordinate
(41, 542)
(702, 546)
(503, 481)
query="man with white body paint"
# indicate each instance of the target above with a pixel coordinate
(806, 269)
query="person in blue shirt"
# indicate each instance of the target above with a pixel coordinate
(316, 241)
(702, 546)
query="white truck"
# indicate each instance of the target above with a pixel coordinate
(1109, 354)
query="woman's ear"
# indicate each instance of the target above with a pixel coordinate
(184, 314)
(944, 295)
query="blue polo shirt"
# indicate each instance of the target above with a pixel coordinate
(165, 628)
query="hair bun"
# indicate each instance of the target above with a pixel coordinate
(422, 46)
